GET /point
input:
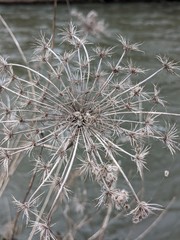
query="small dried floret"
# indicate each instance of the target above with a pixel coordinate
(119, 198)
(136, 91)
(103, 52)
(27, 207)
(116, 197)
(5, 159)
(170, 138)
(130, 106)
(108, 173)
(150, 124)
(87, 168)
(57, 184)
(116, 68)
(139, 158)
(170, 66)
(42, 166)
(69, 32)
(67, 56)
(5, 68)
(133, 69)
(143, 210)
(4, 81)
(71, 35)
(42, 48)
(156, 99)
(127, 46)
(134, 135)
(102, 173)
(7, 134)
(44, 229)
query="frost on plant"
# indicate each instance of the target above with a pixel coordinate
(76, 109)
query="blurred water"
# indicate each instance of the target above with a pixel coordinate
(158, 27)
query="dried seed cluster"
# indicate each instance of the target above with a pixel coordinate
(79, 102)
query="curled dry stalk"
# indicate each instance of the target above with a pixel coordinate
(76, 112)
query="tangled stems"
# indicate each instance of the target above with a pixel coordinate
(81, 107)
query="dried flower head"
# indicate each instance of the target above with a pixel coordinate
(74, 108)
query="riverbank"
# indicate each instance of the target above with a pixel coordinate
(80, 1)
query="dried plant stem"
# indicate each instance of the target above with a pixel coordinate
(62, 185)
(125, 177)
(12, 168)
(24, 200)
(65, 177)
(34, 71)
(54, 22)
(100, 233)
(141, 82)
(45, 203)
(14, 39)
(146, 112)
(17, 44)
(68, 6)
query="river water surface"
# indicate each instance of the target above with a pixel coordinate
(157, 26)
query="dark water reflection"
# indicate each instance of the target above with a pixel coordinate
(158, 27)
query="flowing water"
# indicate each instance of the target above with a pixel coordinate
(157, 26)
